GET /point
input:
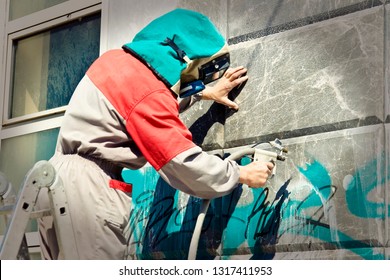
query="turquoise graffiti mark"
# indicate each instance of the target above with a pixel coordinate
(318, 177)
(360, 185)
(322, 194)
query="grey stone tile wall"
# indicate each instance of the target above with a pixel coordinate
(316, 78)
(311, 79)
(251, 18)
(387, 62)
(319, 80)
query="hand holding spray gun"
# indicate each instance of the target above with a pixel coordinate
(264, 155)
(258, 155)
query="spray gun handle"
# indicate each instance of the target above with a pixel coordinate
(268, 156)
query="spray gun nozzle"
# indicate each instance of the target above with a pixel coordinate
(281, 158)
(277, 144)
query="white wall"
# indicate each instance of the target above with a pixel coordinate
(122, 19)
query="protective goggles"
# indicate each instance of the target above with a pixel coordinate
(208, 73)
(214, 69)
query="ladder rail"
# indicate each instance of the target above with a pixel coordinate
(41, 175)
(62, 221)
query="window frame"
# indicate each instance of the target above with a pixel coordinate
(28, 26)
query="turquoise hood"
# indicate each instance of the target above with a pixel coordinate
(192, 32)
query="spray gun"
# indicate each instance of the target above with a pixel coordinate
(258, 155)
(265, 155)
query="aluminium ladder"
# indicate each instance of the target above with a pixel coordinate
(41, 175)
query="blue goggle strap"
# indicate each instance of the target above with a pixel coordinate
(191, 88)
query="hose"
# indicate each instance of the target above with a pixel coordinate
(205, 206)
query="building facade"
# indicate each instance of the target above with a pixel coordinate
(319, 81)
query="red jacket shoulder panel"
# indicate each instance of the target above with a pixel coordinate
(123, 79)
(155, 126)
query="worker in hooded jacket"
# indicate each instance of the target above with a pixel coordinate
(125, 113)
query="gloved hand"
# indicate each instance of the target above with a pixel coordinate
(219, 92)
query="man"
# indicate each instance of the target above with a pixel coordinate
(124, 113)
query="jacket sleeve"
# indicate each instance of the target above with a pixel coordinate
(200, 174)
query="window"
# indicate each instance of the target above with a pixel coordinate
(49, 46)
(45, 64)
(46, 47)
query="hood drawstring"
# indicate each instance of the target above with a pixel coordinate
(180, 53)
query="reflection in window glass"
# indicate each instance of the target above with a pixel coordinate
(49, 65)
(19, 154)
(20, 8)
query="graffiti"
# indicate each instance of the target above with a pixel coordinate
(360, 185)
(162, 222)
(320, 201)
(152, 221)
(158, 224)
(267, 223)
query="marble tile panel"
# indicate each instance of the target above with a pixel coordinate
(254, 18)
(319, 78)
(328, 195)
(206, 122)
(387, 62)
